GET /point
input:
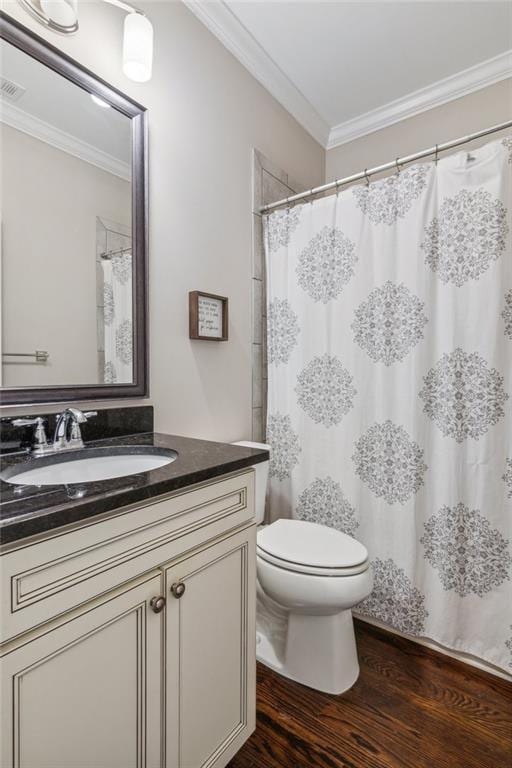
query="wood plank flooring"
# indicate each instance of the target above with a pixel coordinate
(411, 708)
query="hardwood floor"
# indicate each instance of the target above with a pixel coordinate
(410, 708)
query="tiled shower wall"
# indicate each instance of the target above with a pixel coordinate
(270, 183)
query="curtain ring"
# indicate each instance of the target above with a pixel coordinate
(367, 177)
(398, 169)
(436, 159)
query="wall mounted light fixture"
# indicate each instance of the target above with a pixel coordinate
(62, 16)
(58, 15)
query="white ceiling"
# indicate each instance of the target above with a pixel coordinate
(347, 59)
(53, 107)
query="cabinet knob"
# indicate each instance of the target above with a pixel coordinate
(157, 604)
(178, 589)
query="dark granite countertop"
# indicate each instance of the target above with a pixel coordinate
(26, 510)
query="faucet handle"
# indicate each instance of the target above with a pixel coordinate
(26, 422)
(40, 439)
(76, 435)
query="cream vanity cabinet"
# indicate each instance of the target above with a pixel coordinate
(130, 642)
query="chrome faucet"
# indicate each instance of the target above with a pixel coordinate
(67, 434)
(75, 417)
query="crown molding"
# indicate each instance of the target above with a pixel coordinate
(223, 23)
(23, 121)
(462, 83)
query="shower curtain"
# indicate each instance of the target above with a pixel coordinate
(117, 319)
(389, 310)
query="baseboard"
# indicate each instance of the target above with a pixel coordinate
(465, 658)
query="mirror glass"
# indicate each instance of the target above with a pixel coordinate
(66, 231)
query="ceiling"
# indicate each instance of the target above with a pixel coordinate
(61, 113)
(343, 67)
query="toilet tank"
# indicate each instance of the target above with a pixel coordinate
(261, 480)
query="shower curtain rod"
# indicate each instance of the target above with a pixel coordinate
(107, 255)
(386, 167)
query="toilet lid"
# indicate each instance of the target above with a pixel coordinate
(310, 545)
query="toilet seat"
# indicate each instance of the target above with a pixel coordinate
(311, 570)
(311, 548)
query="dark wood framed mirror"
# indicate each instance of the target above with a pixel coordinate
(74, 229)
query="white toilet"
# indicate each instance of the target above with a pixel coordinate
(316, 574)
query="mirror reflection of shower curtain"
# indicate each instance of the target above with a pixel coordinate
(117, 316)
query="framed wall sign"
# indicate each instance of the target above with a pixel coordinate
(208, 316)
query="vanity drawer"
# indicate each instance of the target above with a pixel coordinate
(41, 580)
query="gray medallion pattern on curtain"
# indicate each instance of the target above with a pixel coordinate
(109, 373)
(122, 267)
(395, 600)
(389, 199)
(507, 314)
(507, 143)
(326, 264)
(507, 477)
(463, 396)
(467, 235)
(284, 446)
(469, 556)
(280, 227)
(508, 644)
(124, 341)
(283, 331)
(108, 304)
(389, 323)
(389, 462)
(323, 502)
(325, 390)
(389, 410)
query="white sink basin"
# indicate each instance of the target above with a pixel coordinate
(87, 469)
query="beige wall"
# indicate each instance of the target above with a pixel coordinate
(457, 118)
(206, 113)
(50, 203)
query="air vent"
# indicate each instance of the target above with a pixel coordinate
(10, 90)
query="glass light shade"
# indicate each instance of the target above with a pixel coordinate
(62, 12)
(137, 47)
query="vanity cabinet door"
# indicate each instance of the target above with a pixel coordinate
(88, 692)
(210, 653)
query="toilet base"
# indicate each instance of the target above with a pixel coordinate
(320, 652)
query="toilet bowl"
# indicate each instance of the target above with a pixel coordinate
(316, 575)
